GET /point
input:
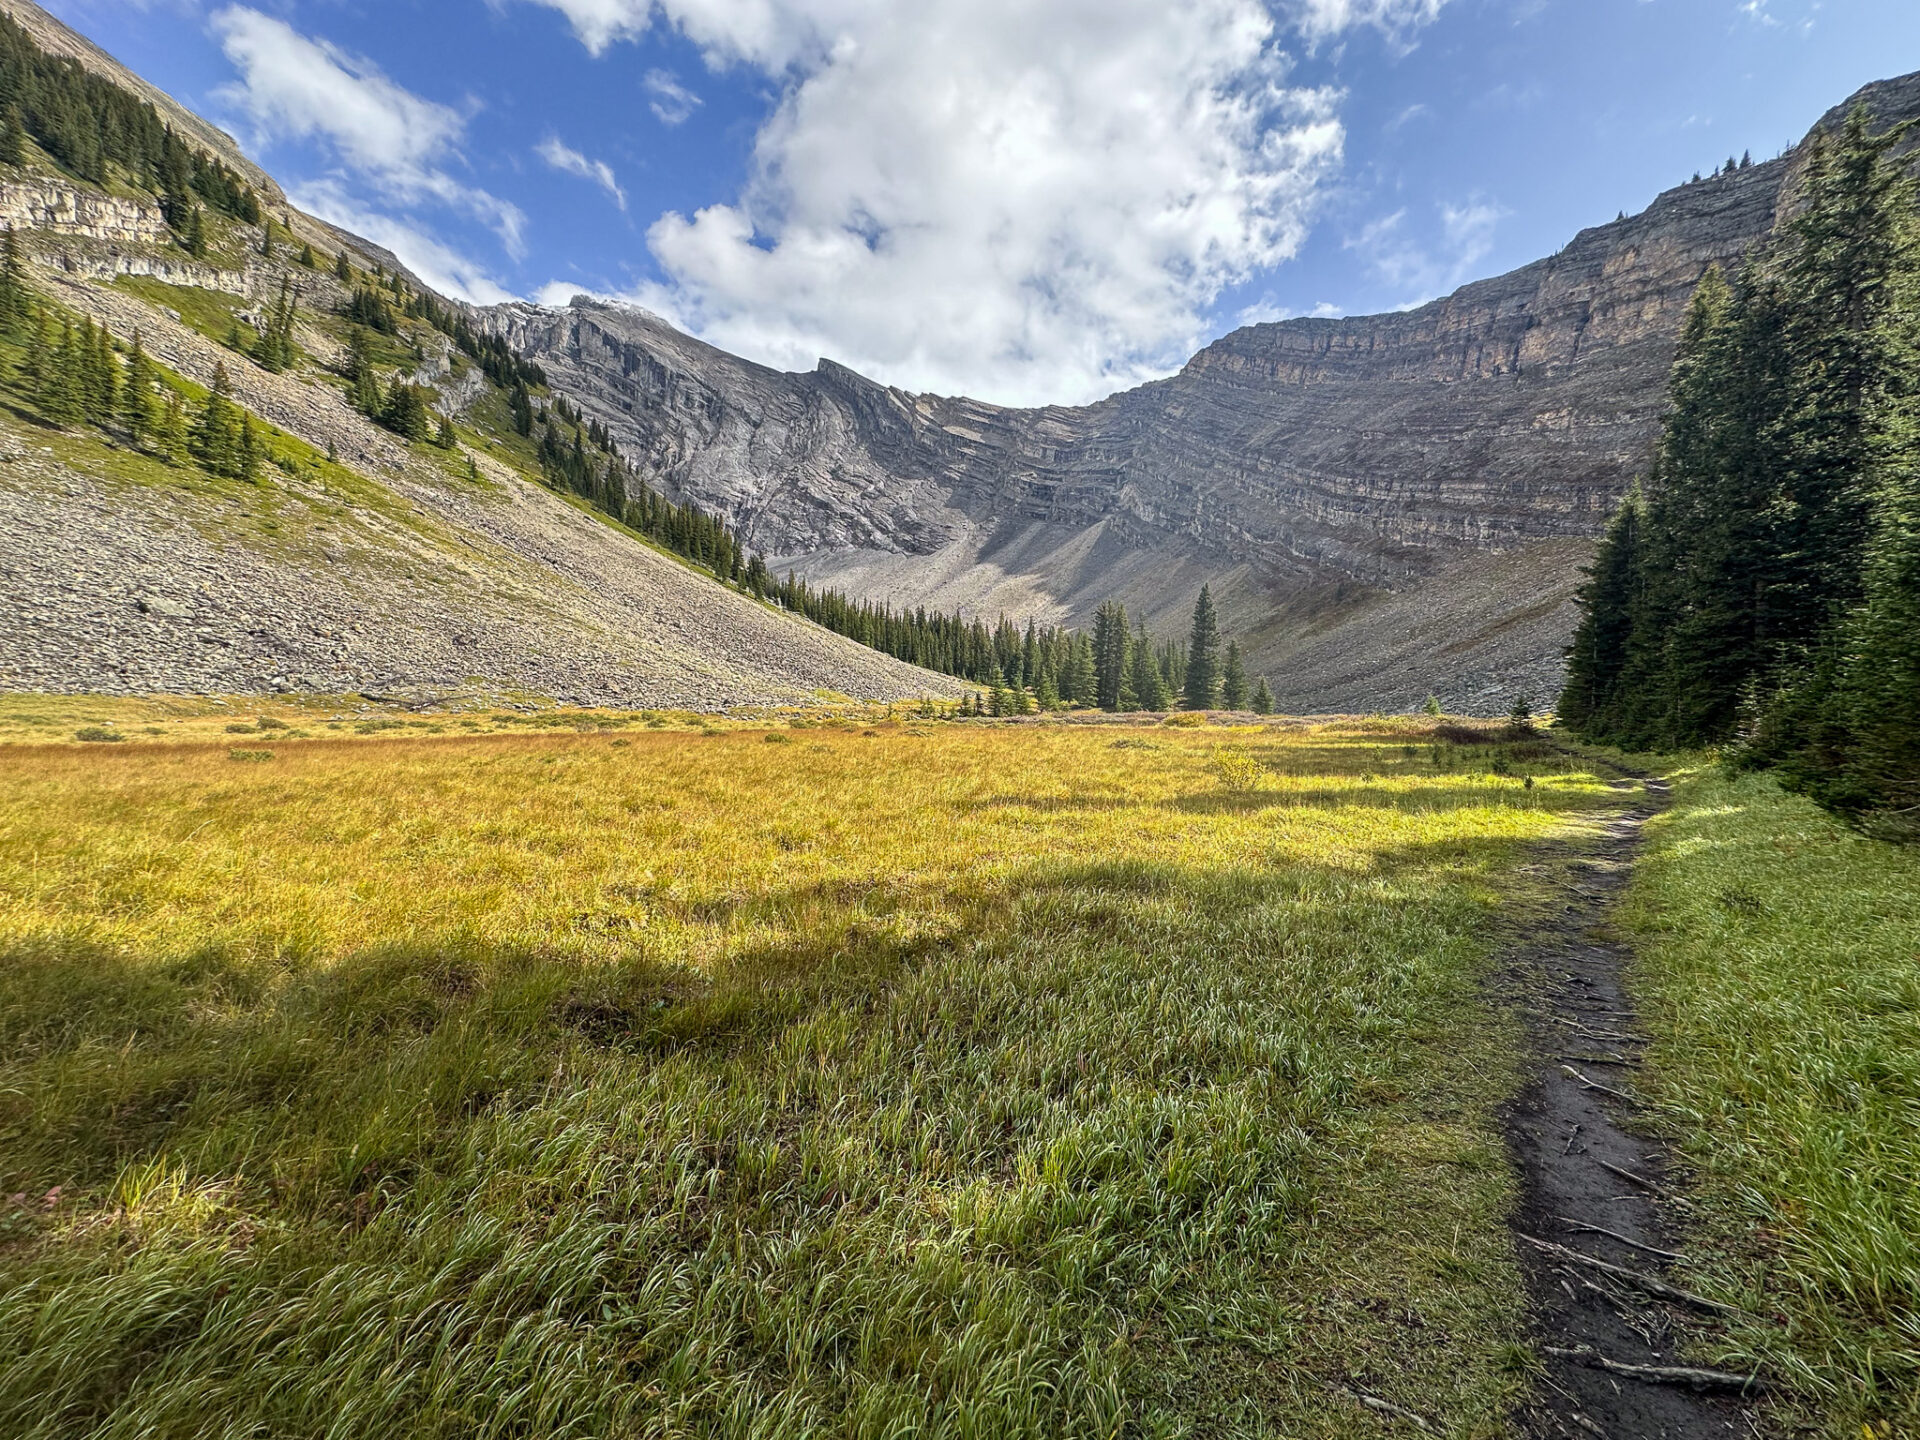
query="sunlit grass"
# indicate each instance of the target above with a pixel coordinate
(1780, 966)
(896, 1079)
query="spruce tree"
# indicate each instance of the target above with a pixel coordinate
(1203, 647)
(16, 301)
(13, 137)
(137, 399)
(1262, 698)
(445, 437)
(214, 440)
(170, 429)
(247, 451)
(1233, 679)
(1110, 641)
(307, 257)
(1082, 685)
(1149, 686)
(1597, 659)
(62, 395)
(342, 268)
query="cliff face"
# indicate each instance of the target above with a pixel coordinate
(1376, 451)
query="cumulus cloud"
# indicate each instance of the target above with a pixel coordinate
(294, 87)
(672, 102)
(569, 161)
(1019, 200)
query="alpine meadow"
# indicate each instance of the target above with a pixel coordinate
(905, 722)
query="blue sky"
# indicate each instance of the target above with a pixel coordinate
(1022, 200)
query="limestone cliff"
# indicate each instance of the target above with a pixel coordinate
(1306, 465)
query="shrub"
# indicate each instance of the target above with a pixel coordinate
(1238, 770)
(1186, 719)
(240, 727)
(250, 755)
(267, 722)
(98, 735)
(774, 737)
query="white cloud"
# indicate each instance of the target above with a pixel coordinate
(1422, 270)
(294, 87)
(570, 161)
(1324, 19)
(672, 102)
(438, 264)
(1018, 200)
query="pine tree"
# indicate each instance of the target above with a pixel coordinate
(1233, 679)
(307, 258)
(137, 410)
(1203, 647)
(342, 268)
(1262, 698)
(214, 440)
(444, 437)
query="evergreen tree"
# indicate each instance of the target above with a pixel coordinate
(1262, 698)
(16, 301)
(307, 257)
(521, 406)
(1082, 681)
(13, 137)
(215, 440)
(137, 409)
(444, 437)
(1203, 649)
(170, 428)
(274, 350)
(193, 232)
(61, 394)
(1110, 641)
(1233, 679)
(342, 268)
(405, 412)
(1148, 684)
(247, 451)
(1597, 659)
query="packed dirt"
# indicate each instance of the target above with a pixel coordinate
(1598, 1215)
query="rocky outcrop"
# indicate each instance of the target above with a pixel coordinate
(45, 204)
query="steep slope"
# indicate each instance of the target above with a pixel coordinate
(1318, 471)
(356, 559)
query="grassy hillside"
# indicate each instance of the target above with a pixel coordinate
(832, 1080)
(1780, 975)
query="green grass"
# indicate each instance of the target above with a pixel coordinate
(1779, 969)
(956, 1081)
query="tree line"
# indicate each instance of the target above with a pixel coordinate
(1044, 667)
(1759, 589)
(74, 374)
(87, 123)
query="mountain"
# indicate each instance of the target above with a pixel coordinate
(1386, 505)
(355, 560)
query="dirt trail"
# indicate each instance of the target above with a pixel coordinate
(1592, 1188)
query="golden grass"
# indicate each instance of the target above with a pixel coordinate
(937, 1079)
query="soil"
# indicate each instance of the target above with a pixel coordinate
(1589, 1165)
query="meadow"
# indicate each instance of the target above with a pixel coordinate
(858, 1079)
(1778, 973)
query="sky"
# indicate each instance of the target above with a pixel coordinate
(1026, 201)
